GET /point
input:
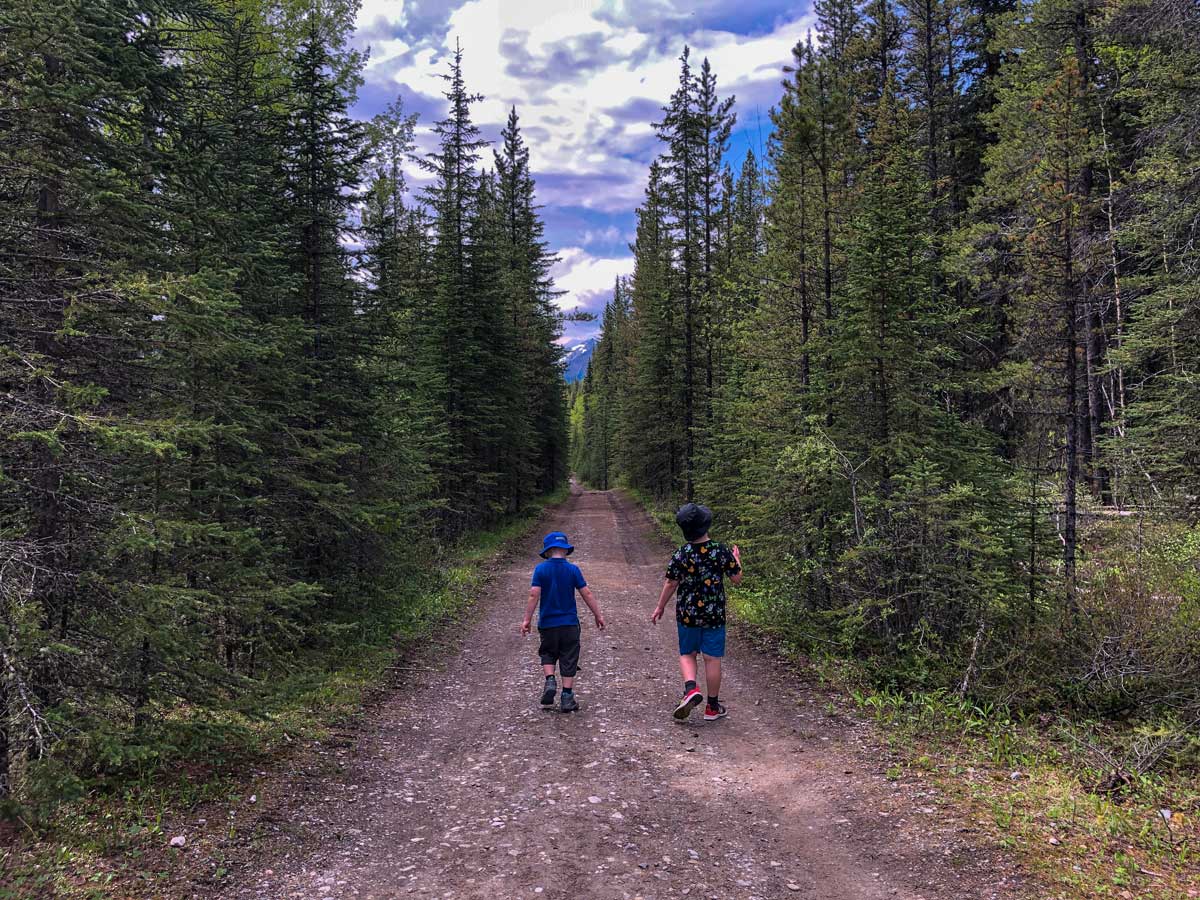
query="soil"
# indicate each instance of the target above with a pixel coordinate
(459, 785)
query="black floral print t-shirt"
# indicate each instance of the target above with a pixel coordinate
(700, 570)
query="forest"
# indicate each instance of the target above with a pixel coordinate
(249, 382)
(931, 353)
(932, 356)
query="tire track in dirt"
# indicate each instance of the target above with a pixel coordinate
(633, 542)
(460, 787)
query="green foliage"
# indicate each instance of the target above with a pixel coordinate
(228, 437)
(946, 344)
(1049, 792)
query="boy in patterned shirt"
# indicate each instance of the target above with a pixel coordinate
(698, 571)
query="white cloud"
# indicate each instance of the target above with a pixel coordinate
(582, 276)
(608, 235)
(586, 82)
(568, 70)
(374, 13)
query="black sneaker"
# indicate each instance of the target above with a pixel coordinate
(548, 695)
(689, 701)
(712, 713)
(568, 702)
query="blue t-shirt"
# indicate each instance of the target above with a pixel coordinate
(558, 580)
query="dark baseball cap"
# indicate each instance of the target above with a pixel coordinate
(694, 520)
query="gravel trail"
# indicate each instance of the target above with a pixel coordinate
(460, 786)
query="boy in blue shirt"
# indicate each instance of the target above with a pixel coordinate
(554, 584)
(698, 571)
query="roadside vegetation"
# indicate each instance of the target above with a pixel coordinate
(108, 837)
(253, 388)
(929, 354)
(1094, 804)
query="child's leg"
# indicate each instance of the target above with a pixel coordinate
(549, 656)
(689, 649)
(687, 666)
(712, 675)
(568, 683)
(568, 661)
(712, 645)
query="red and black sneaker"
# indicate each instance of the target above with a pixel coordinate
(712, 713)
(690, 701)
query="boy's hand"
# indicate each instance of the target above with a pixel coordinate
(656, 615)
(525, 627)
(737, 555)
(599, 622)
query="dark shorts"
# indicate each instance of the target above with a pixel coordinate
(709, 641)
(560, 645)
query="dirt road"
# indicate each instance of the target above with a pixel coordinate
(461, 786)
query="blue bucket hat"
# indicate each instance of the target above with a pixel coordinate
(555, 539)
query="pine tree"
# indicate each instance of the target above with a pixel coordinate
(400, 441)
(223, 428)
(656, 408)
(1041, 168)
(681, 165)
(81, 272)
(536, 424)
(452, 199)
(1152, 273)
(324, 158)
(733, 443)
(604, 396)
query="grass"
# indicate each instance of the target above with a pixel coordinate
(1035, 786)
(108, 843)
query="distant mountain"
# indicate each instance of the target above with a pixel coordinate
(577, 358)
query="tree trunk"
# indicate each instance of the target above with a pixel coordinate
(5, 763)
(1095, 360)
(1071, 388)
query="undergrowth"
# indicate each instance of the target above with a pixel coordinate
(107, 826)
(1051, 785)
(1044, 787)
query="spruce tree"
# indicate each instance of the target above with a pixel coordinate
(537, 425)
(1040, 170)
(1152, 274)
(658, 386)
(452, 199)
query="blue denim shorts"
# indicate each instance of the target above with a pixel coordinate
(709, 641)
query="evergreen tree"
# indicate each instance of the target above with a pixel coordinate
(223, 428)
(81, 265)
(1041, 169)
(452, 199)
(536, 422)
(1152, 274)
(400, 442)
(656, 407)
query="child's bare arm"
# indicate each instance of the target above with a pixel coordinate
(535, 596)
(668, 590)
(737, 555)
(586, 594)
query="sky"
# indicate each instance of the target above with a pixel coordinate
(588, 77)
